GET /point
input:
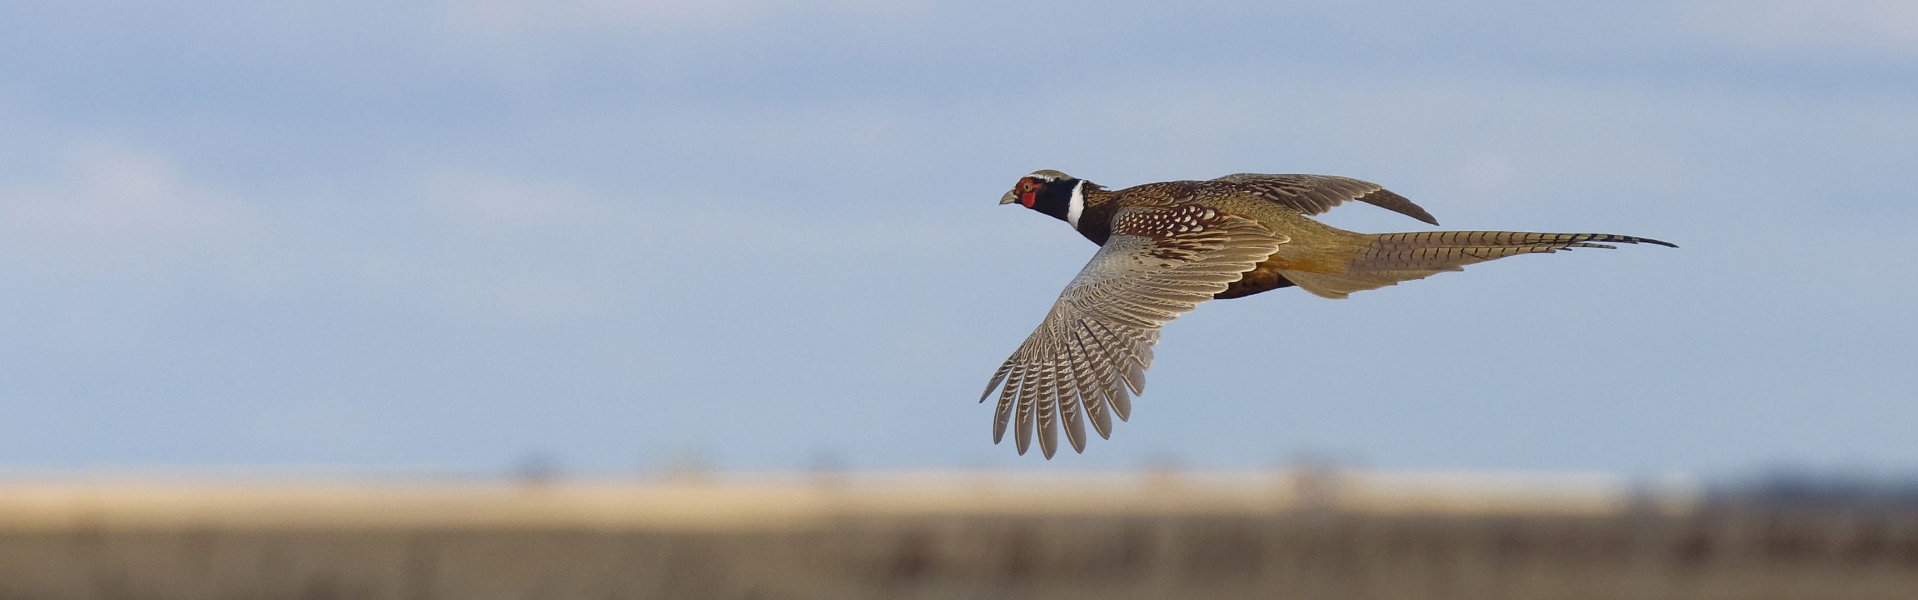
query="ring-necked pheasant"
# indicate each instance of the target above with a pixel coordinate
(1166, 247)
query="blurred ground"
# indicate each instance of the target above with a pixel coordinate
(1300, 533)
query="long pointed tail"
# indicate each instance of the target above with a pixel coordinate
(1394, 257)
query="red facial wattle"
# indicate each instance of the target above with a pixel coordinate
(1028, 192)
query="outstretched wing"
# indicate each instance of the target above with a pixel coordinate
(1314, 194)
(1097, 341)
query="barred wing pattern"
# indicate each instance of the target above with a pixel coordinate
(1314, 194)
(1097, 341)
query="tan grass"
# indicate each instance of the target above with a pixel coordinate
(784, 501)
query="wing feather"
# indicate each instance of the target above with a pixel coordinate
(1113, 382)
(1096, 343)
(1002, 415)
(1022, 432)
(1071, 419)
(1091, 392)
(1048, 408)
(1315, 194)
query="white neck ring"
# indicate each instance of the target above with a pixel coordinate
(1077, 205)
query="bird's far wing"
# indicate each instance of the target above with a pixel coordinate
(1097, 341)
(1314, 194)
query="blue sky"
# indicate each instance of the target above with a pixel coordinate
(449, 236)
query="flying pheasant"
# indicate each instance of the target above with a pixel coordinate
(1166, 247)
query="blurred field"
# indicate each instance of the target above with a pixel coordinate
(1294, 534)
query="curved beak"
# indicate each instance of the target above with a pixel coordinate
(1009, 198)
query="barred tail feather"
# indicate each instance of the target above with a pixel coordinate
(1394, 257)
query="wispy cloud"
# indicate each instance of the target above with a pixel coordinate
(96, 254)
(490, 202)
(1858, 25)
(507, 18)
(120, 198)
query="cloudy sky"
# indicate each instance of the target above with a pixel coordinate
(619, 233)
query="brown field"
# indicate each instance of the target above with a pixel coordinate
(955, 535)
